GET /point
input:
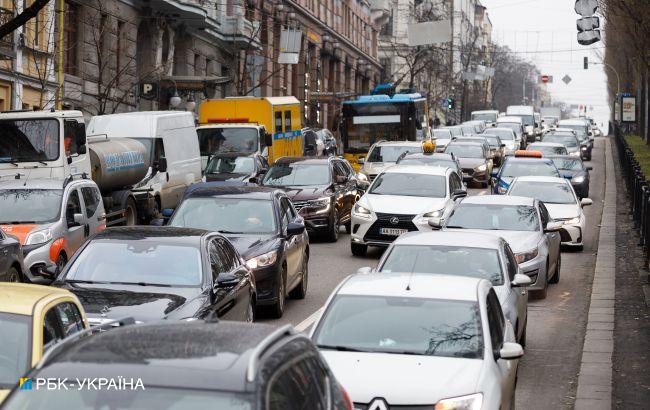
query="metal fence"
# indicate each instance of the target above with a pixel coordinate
(638, 189)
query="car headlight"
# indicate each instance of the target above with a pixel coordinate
(362, 177)
(502, 189)
(481, 168)
(584, 148)
(38, 237)
(527, 256)
(261, 261)
(469, 402)
(433, 214)
(572, 221)
(319, 203)
(578, 180)
(575, 153)
(360, 210)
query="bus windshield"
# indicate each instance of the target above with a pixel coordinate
(29, 140)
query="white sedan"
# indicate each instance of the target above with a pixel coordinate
(413, 339)
(562, 203)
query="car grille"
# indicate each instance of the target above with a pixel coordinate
(364, 406)
(383, 221)
(468, 171)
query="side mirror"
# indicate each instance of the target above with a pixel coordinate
(161, 166)
(511, 351)
(295, 228)
(589, 168)
(77, 220)
(340, 179)
(458, 193)
(167, 212)
(520, 280)
(435, 223)
(226, 280)
(365, 270)
(361, 160)
(567, 175)
(553, 226)
(586, 202)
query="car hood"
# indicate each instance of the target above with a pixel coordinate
(226, 177)
(471, 162)
(253, 245)
(403, 379)
(305, 193)
(519, 241)
(22, 231)
(142, 303)
(392, 204)
(443, 141)
(563, 211)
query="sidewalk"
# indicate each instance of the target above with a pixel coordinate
(631, 358)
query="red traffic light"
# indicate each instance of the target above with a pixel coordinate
(545, 79)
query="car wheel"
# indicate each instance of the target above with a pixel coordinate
(131, 213)
(541, 294)
(277, 310)
(333, 233)
(300, 291)
(556, 278)
(60, 262)
(358, 249)
(13, 275)
(348, 227)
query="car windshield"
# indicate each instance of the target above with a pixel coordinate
(547, 192)
(390, 153)
(566, 140)
(399, 325)
(465, 150)
(230, 165)
(548, 150)
(403, 184)
(495, 142)
(494, 217)
(448, 260)
(487, 117)
(223, 140)
(526, 119)
(516, 127)
(137, 261)
(442, 134)
(503, 134)
(29, 140)
(228, 215)
(297, 175)
(150, 397)
(529, 168)
(434, 162)
(573, 164)
(30, 205)
(580, 129)
(16, 345)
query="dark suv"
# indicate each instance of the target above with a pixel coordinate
(323, 191)
(184, 365)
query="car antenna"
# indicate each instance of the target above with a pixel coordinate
(408, 285)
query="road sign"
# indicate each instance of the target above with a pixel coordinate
(566, 79)
(149, 90)
(431, 32)
(546, 79)
(629, 109)
(586, 8)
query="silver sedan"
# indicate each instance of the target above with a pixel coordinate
(476, 255)
(527, 226)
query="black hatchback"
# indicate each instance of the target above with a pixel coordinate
(153, 273)
(184, 365)
(264, 227)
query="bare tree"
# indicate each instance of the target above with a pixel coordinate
(22, 18)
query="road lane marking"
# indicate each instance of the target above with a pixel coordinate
(305, 324)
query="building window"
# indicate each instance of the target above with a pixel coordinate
(37, 29)
(119, 47)
(71, 38)
(387, 29)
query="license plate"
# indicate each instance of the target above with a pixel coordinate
(392, 231)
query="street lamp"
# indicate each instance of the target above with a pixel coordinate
(190, 105)
(175, 100)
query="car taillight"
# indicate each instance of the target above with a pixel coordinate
(346, 396)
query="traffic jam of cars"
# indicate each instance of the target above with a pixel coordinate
(145, 262)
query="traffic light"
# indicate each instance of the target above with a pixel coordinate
(586, 63)
(450, 103)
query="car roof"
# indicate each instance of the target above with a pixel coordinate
(501, 129)
(484, 111)
(498, 200)
(463, 141)
(33, 183)
(419, 285)
(526, 159)
(167, 234)
(564, 157)
(20, 298)
(416, 169)
(437, 155)
(542, 179)
(572, 122)
(232, 191)
(400, 143)
(545, 144)
(457, 238)
(509, 118)
(173, 354)
(303, 160)
(229, 125)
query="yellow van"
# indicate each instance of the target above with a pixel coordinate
(270, 126)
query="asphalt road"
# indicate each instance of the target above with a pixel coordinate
(548, 373)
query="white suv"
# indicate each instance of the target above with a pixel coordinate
(402, 199)
(384, 154)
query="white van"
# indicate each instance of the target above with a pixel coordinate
(516, 124)
(169, 135)
(527, 114)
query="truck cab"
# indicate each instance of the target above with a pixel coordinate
(230, 138)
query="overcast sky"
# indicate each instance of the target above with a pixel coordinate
(544, 32)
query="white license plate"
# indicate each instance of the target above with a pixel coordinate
(392, 231)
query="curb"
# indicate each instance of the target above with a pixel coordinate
(595, 378)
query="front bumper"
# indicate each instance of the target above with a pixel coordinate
(36, 257)
(317, 219)
(536, 270)
(471, 175)
(265, 282)
(368, 231)
(572, 234)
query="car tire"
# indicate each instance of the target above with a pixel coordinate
(131, 213)
(300, 291)
(556, 278)
(542, 293)
(60, 262)
(358, 249)
(13, 275)
(335, 226)
(348, 227)
(277, 309)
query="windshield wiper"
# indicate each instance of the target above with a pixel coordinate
(140, 284)
(455, 227)
(344, 348)
(12, 161)
(228, 232)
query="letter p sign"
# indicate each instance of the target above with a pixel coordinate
(149, 91)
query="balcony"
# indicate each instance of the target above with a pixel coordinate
(380, 11)
(239, 31)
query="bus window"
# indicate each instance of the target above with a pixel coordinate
(278, 122)
(287, 121)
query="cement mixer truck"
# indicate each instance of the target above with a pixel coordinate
(142, 162)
